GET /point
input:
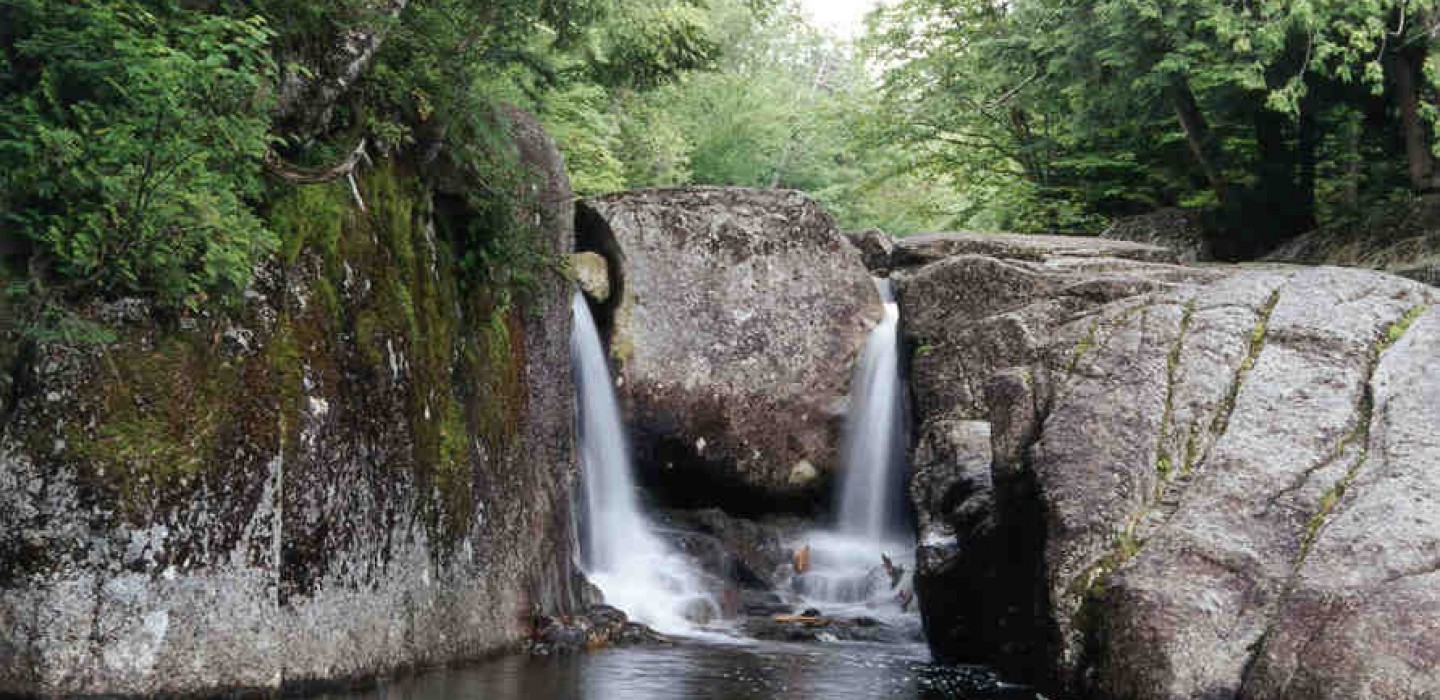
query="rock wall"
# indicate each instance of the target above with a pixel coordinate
(737, 316)
(367, 468)
(1199, 483)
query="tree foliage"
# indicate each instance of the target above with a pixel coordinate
(1274, 114)
(131, 137)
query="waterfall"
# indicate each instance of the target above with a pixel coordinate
(874, 449)
(635, 570)
(848, 564)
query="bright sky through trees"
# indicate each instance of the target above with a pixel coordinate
(845, 18)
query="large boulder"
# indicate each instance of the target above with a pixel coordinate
(737, 319)
(986, 306)
(970, 315)
(367, 468)
(1217, 487)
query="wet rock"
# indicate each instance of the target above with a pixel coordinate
(592, 273)
(599, 627)
(876, 248)
(817, 628)
(741, 317)
(744, 553)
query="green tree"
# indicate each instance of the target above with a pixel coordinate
(1261, 112)
(131, 141)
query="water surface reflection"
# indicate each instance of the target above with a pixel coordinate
(691, 670)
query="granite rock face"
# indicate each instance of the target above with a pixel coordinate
(738, 318)
(367, 469)
(1210, 483)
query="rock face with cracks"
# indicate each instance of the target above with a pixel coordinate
(1219, 484)
(367, 469)
(738, 319)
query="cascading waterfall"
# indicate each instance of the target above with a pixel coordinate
(874, 450)
(846, 563)
(634, 569)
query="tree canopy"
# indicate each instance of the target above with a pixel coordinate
(135, 134)
(1272, 115)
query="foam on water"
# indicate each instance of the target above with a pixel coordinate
(635, 570)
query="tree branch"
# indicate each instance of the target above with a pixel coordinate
(307, 176)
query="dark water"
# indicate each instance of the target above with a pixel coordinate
(695, 670)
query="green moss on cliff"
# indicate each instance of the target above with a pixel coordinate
(158, 419)
(372, 309)
(310, 218)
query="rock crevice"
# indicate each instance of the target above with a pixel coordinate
(1197, 451)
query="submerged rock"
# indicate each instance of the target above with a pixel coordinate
(1217, 484)
(739, 318)
(599, 627)
(807, 627)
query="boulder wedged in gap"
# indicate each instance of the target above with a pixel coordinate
(877, 249)
(735, 324)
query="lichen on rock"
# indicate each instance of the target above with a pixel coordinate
(318, 486)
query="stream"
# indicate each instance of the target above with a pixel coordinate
(736, 671)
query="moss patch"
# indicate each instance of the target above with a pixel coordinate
(443, 344)
(158, 420)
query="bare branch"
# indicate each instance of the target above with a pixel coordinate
(306, 176)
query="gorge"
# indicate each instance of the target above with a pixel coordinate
(326, 370)
(1127, 477)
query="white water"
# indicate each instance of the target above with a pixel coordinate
(636, 571)
(846, 568)
(874, 450)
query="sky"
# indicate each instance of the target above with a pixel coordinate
(843, 17)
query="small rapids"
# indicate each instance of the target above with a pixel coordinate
(635, 570)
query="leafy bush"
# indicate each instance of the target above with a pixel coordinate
(132, 134)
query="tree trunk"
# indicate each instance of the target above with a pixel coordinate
(1407, 94)
(1197, 135)
(1308, 157)
(1277, 208)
